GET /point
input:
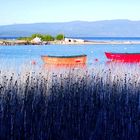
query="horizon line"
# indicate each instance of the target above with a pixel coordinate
(43, 22)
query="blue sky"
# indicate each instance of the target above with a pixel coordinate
(32, 11)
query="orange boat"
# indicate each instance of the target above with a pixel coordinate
(65, 60)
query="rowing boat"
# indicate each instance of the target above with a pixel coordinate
(65, 60)
(123, 57)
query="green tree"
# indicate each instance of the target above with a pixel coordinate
(60, 37)
(43, 37)
(48, 38)
(37, 35)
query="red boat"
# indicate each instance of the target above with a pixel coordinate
(123, 57)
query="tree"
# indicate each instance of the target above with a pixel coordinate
(60, 37)
(43, 37)
(37, 35)
(48, 38)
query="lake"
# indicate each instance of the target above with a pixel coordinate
(15, 56)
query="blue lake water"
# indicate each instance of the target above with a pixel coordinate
(15, 56)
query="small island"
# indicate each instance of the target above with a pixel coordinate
(46, 39)
(34, 39)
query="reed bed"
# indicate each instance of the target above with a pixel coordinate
(101, 103)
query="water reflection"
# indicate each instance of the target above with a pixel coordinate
(64, 66)
(121, 62)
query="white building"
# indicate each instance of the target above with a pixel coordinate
(36, 40)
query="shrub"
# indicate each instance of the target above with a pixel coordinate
(60, 37)
(37, 35)
(48, 38)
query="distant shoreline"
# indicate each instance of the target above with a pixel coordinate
(87, 38)
(22, 42)
(13, 41)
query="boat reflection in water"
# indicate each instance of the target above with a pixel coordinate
(121, 63)
(77, 61)
(58, 67)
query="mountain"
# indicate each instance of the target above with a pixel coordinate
(106, 28)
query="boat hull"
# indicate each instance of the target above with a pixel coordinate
(64, 60)
(123, 57)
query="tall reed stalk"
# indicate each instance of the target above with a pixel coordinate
(76, 104)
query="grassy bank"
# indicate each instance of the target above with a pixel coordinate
(95, 104)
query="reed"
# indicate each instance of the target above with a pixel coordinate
(77, 104)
